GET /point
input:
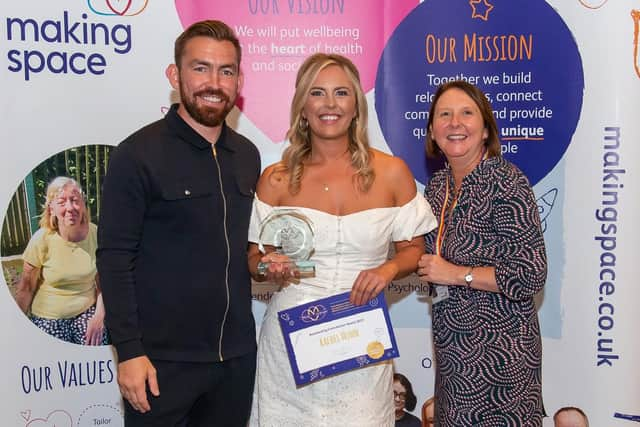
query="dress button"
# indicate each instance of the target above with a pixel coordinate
(187, 192)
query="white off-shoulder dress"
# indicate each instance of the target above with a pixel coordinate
(344, 246)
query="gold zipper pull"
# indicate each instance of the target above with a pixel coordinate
(215, 153)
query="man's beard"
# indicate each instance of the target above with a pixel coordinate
(207, 116)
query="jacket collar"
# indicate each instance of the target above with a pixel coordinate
(186, 133)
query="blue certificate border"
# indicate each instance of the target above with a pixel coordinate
(326, 310)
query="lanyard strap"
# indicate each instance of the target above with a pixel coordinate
(443, 226)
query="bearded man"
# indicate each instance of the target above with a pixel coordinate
(172, 245)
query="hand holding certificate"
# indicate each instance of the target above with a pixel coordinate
(331, 335)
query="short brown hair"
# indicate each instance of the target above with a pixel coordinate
(216, 30)
(492, 142)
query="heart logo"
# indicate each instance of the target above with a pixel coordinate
(276, 36)
(117, 7)
(26, 414)
(124, 6)
(592, 4)
(57, 418)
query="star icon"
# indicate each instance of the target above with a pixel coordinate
(481, 9)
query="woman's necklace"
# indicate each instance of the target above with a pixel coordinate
(325, 186)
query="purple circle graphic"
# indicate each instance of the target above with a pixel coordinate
(521, 54)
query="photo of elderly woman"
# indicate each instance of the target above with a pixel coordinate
(54, 280)
(59, 281)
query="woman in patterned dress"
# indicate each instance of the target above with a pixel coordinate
(486, 262)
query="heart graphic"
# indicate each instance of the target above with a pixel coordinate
(276, 36)
(26, 414)
(121, 12)
(117, 7)
(57, 418)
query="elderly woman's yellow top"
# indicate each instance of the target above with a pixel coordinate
(68, 272)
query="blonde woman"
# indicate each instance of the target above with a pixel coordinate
(59, 283)
(360, 200)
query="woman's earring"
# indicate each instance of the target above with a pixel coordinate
(303, 124)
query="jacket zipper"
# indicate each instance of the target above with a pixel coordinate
(226, 239)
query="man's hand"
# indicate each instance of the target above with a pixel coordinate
(133, 376)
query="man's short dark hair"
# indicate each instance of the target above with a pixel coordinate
(216, 30)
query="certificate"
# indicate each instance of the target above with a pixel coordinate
(331, 335)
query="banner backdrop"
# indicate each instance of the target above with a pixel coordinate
(78, 76)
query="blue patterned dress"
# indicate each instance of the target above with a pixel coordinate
(487, 345)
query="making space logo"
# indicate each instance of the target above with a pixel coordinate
(71, 43)
(117, 7)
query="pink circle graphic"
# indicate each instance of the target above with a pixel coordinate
(276, 36)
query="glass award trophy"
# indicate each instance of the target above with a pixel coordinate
(290, 233)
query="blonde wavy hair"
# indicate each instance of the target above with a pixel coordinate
(57, 184)
(299, 149)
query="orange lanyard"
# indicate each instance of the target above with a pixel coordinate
(442, 226)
